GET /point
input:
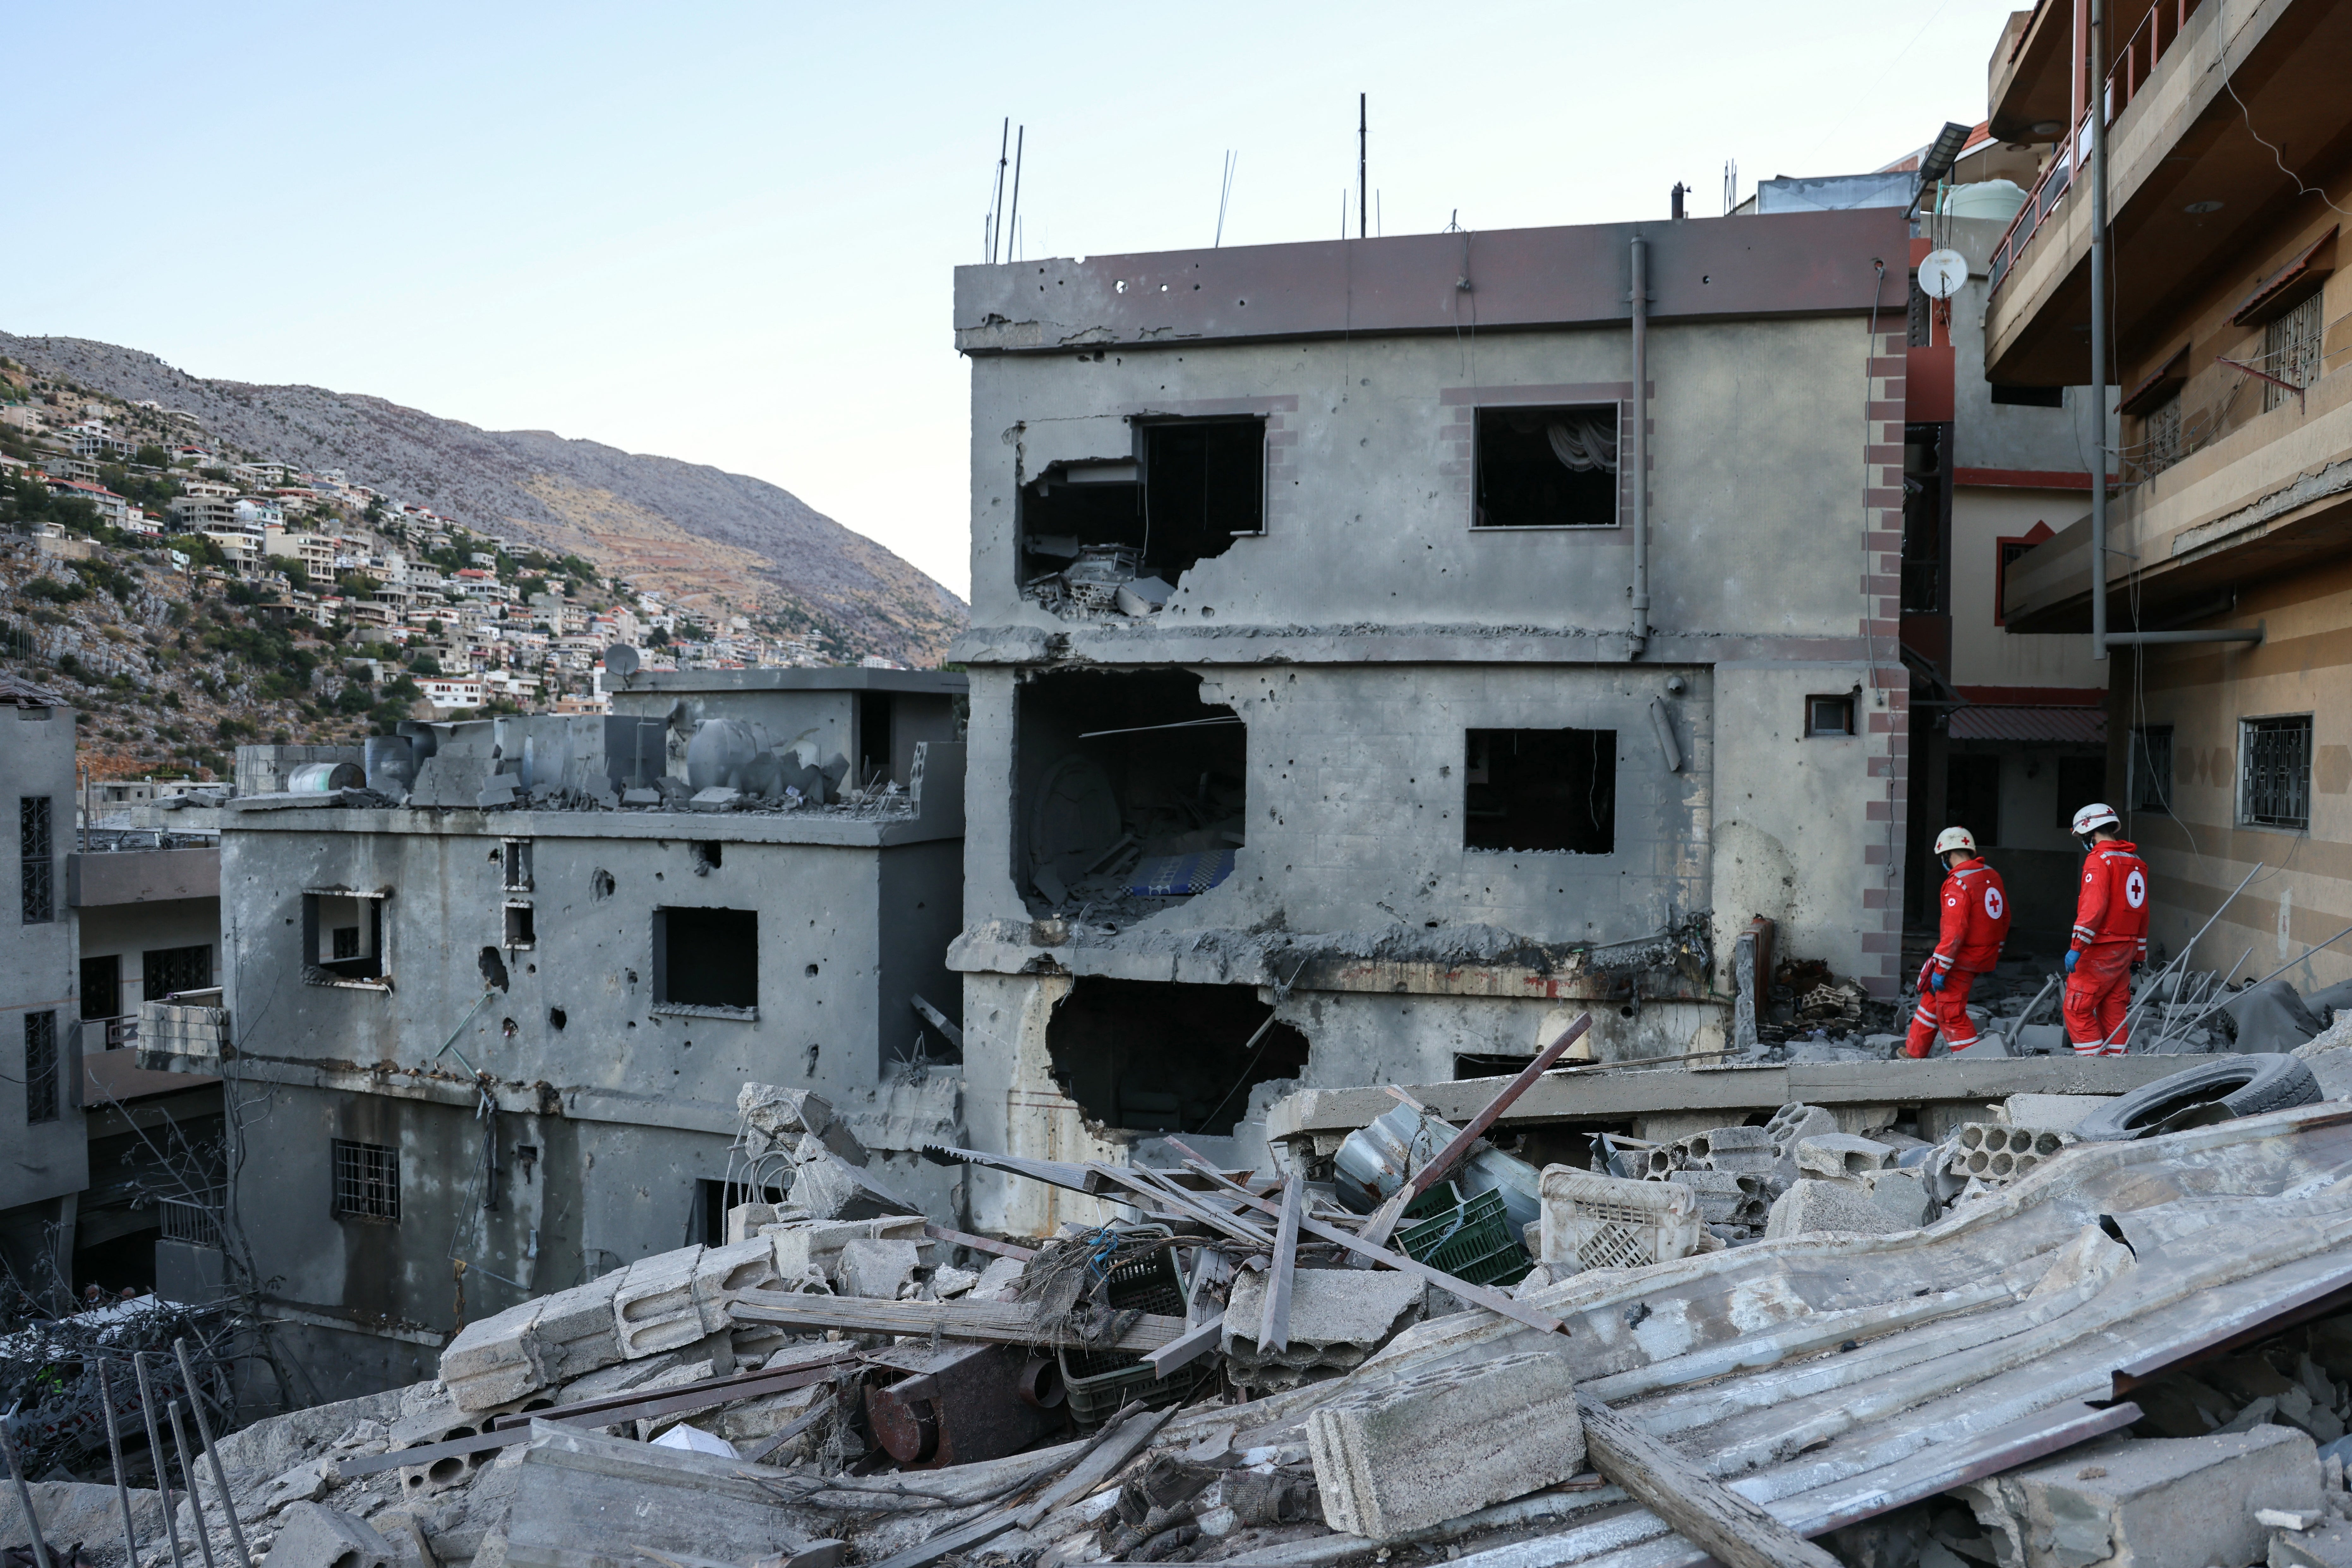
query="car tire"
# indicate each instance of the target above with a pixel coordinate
(2239, 1086)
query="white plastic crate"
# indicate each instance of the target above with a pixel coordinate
(1604, 1222)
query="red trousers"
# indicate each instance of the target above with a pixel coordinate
(2098, 994)
(1945, 1012)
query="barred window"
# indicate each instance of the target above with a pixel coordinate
(2160, 436)
(36, 848)
(2274, 771)
(2291, 351)
(40, 1065)
(2151, 768)
(367, 1182)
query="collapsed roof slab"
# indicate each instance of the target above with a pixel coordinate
(1733, 1088)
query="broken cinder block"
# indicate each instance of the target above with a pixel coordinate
(1832, 1156)
(1435, 1447)
(879, 1269)
(2329, 1546)
(2160, 1502)
(1339, 1317)
(654, 1308)
(312, 1535)
(1810, 1206)
(778, 1117)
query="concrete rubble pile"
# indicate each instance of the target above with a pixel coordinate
(2132, 1346)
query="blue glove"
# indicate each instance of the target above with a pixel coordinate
(2072, 954)
(1935, 981)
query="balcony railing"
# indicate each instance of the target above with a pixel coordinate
(195, 1218)
(2135, 63)
(121, 1033)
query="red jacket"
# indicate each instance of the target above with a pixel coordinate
(1975, 920)
(2113, 904)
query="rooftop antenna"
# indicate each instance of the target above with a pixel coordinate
(1013, 220)
(1730, 185)
(996, 203)
(1225, 196)
(1362, 145)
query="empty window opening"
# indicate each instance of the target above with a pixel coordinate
(713, 1199)
(518, 865)
(36, 858)
(2028, 396)
(519, 926)
(1828, 715)
(1151, 1056)
(342, 937)
(1540, 790)
(164, 971)
(873, 737)
(2151, 768)
(707, 856)
(1087, 529)
(101, 986)
(2274, 771)
(2080, 780)
(367, 1182)
(1548, 468)
(1972, 795)
(1927, 515)
(707, 960)
(40, 1066)
(1133, 791)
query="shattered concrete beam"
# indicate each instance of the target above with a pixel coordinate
(1637, 1091)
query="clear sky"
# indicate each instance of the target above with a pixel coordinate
(726, 232)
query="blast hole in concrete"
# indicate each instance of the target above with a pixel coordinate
(1152, 1056)
(1540, 790)
(493, 968)
(1190, 489)
(599, 884)
(556, 1019)
(1134, 791)
(1547, 468)
(707, 856)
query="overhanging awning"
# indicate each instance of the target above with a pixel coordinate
(2033, 725)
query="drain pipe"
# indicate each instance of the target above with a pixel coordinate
(1641, 460)
(2098, 94)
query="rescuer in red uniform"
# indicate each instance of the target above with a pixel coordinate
(1967, 942)
(2110, 934)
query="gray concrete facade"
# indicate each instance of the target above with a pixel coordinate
(40, 1099)
(521, 1031)
(1368, 625)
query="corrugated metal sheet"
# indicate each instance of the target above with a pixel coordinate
(1833, 1378)
(2061, 726)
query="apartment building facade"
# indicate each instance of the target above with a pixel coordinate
(1345, 710)
(2228, 741)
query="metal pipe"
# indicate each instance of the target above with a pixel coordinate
(2131, 639)
(114, 1452)
(2095, 40)
(1641, 300)
(24, 1498)
(188, 1474)
(212, 1452)
(162, 1461)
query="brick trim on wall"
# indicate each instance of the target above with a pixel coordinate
(1888, 729)
(1459, 433)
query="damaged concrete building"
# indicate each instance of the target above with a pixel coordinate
(486, 1020)
(1344, 711)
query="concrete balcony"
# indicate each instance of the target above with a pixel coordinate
(2268, 497)
(95, 878)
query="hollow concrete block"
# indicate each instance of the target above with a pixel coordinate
(653, 1307)
(2162, 1502)
(1435, 1447)
(1810, 1207)
(1834, 1155)
(876, 1269)
(312, 1535)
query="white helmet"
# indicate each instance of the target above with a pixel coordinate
(2091, 819)
(1956, 838)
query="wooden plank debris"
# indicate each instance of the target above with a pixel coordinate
(1274, 1328)
(1736, 1532)
(1001, 1322)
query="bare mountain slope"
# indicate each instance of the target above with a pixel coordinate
(694, 532)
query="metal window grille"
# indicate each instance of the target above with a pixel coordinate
(2160, 436)
(2274, 771)
(367, 1182)
(2291, 351)
(36, 844)
(40, 1065)
(2151, 768)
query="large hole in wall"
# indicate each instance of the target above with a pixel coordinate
(1151, 1056)
(1540, 790)
(1089, 531)
(1133, 791)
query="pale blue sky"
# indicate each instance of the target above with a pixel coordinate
(725, 232)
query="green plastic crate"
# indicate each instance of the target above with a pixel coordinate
(1099, 1382)
(1472, 1241)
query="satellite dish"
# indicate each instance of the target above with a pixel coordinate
(621, 660)
(1941, 273)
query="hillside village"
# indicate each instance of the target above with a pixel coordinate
(191, 594)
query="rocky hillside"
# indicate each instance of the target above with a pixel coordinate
(674, 528)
